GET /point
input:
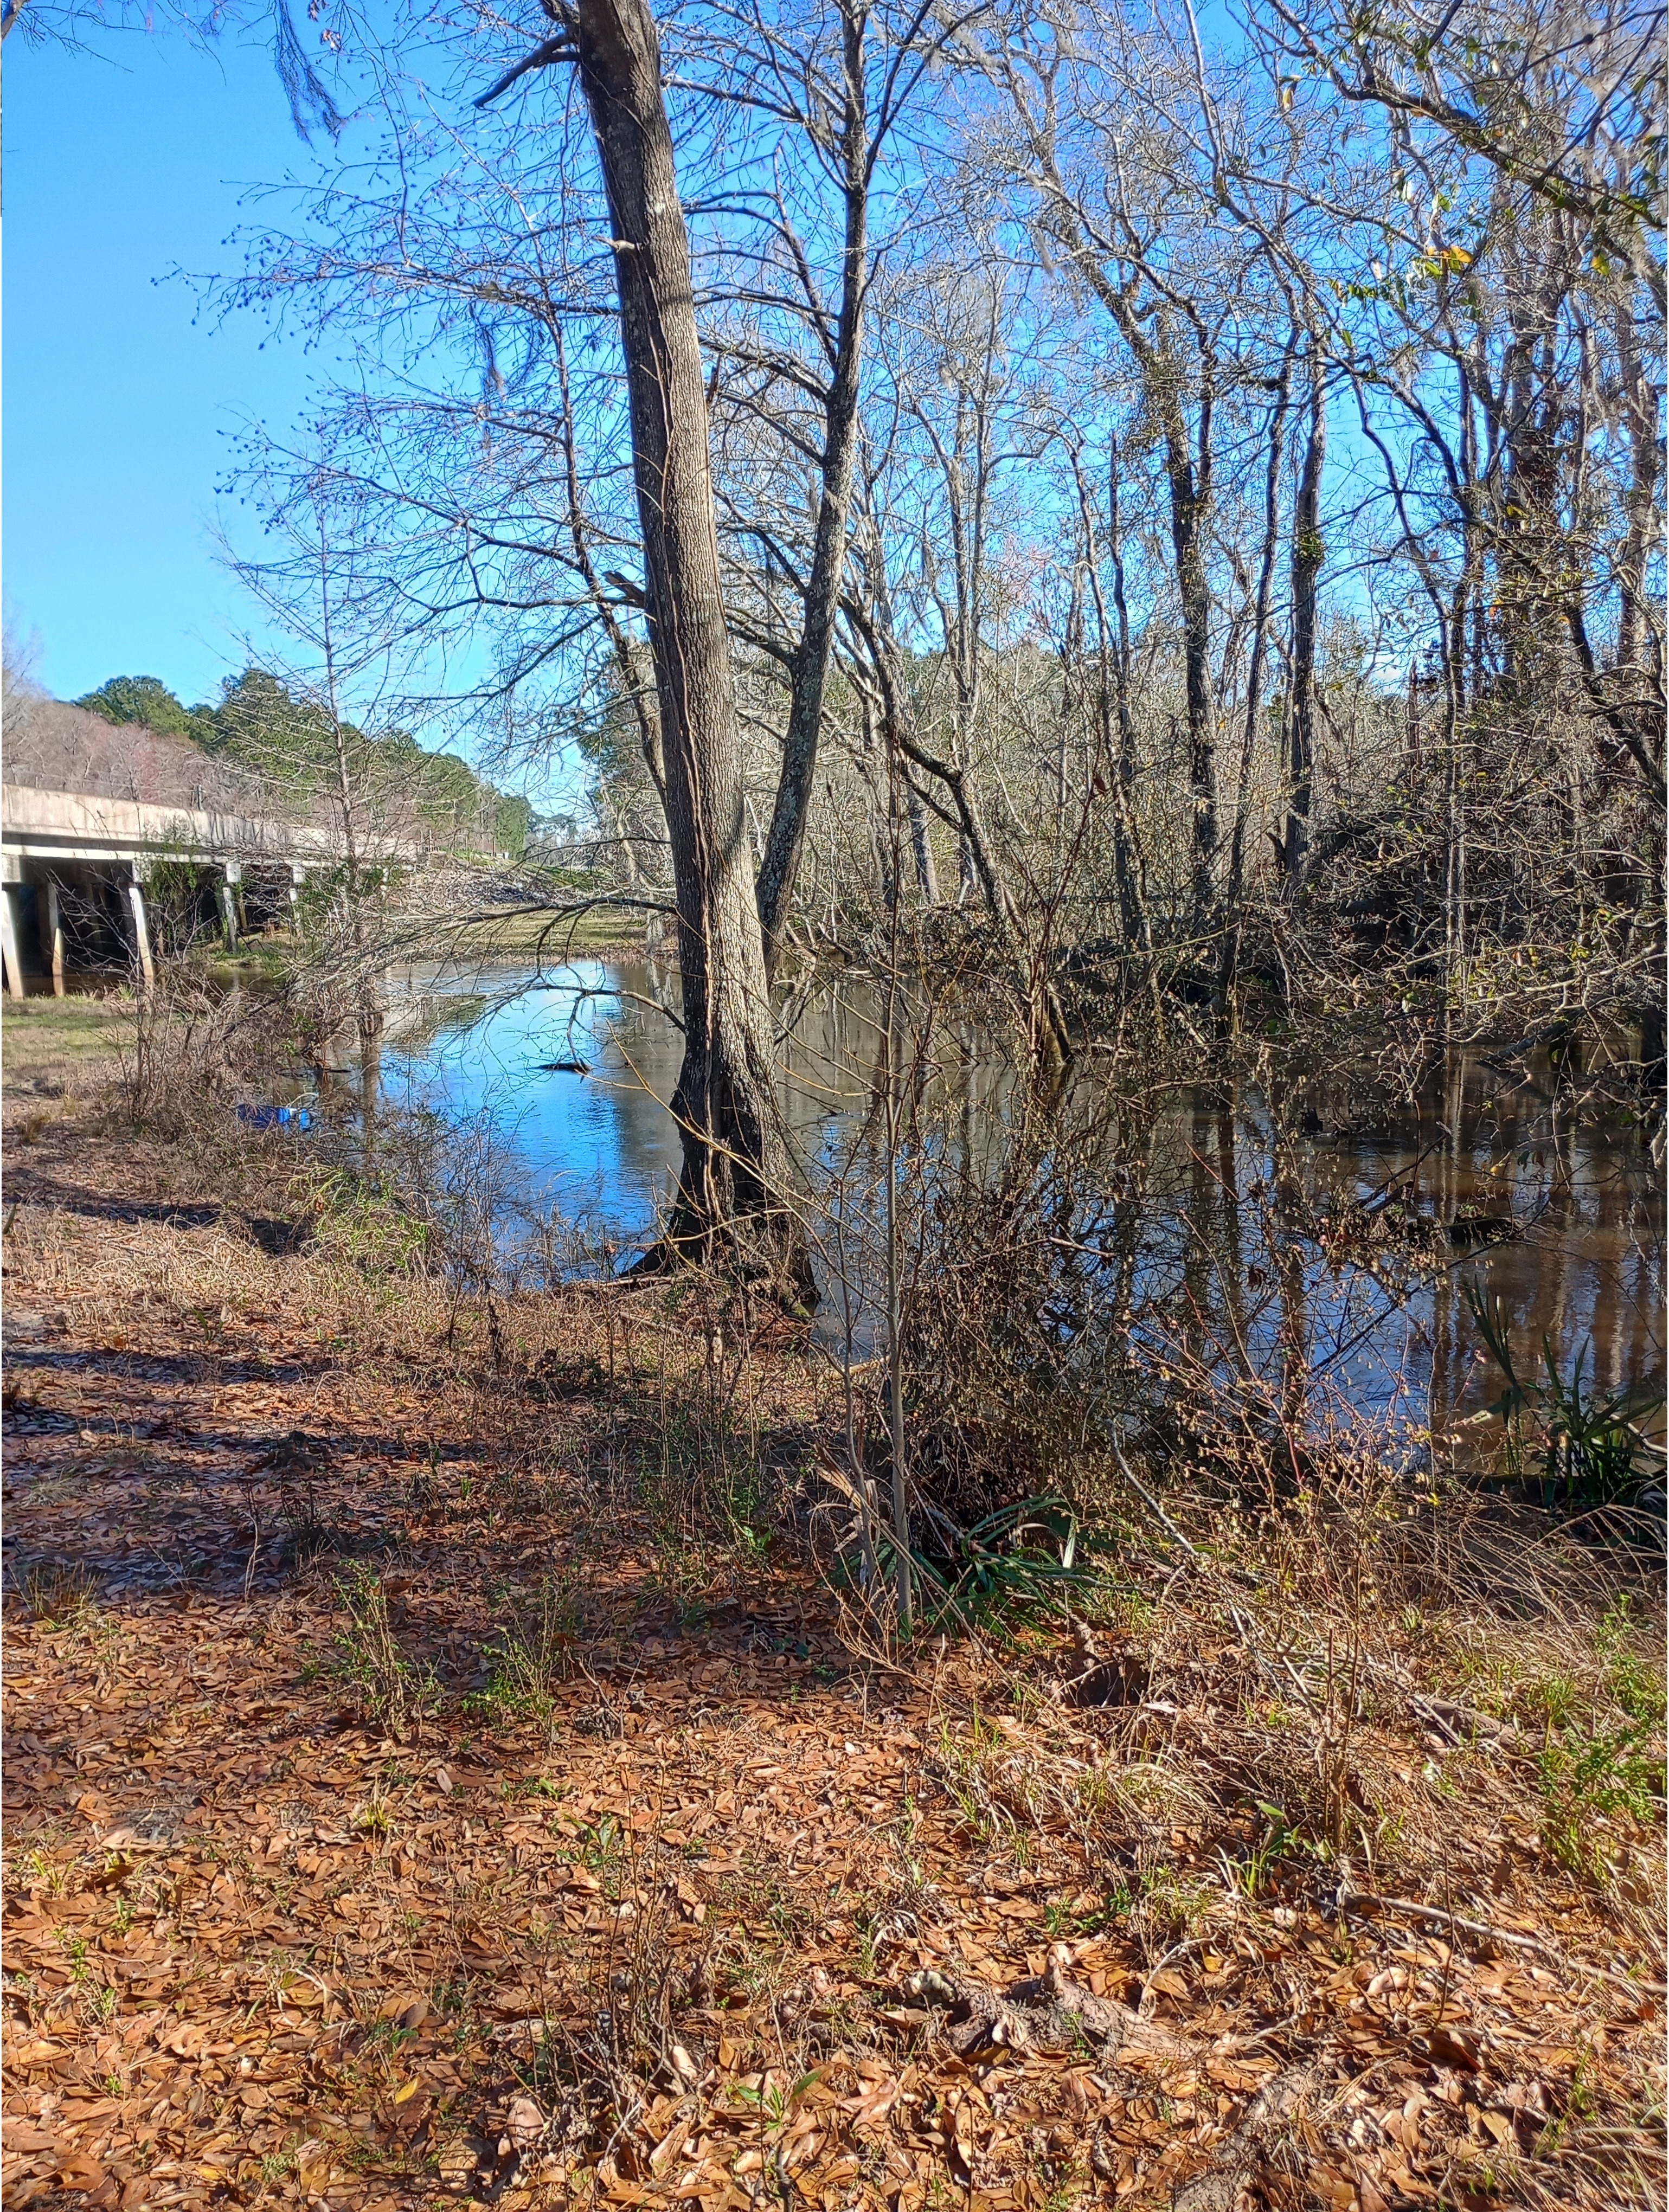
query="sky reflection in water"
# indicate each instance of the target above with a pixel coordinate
(601, 1148)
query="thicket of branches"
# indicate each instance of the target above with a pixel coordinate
(1202, 478)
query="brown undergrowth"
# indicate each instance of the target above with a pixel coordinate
(441, 1767)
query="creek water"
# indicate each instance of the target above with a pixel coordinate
(1559, 1216)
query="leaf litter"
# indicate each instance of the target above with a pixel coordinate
(407, 1804)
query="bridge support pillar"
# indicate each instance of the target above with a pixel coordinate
(136, 897)
(228, 902)
(55, 935)
(10, 950)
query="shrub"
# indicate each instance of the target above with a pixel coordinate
(391, 1688)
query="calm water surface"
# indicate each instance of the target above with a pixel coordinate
(1582, 1269)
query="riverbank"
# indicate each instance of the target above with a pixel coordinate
(443, 1768)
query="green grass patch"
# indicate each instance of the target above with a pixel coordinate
(522, 933)
(259, 960)
(46, 1035)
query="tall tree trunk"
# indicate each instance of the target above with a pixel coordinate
(781, 860)
(1638, 403)
(1307, 553)
(735, 1158)
(1190, 452)
(1134, 913)
(620, 644)
(1190, 497)
(1232, 917)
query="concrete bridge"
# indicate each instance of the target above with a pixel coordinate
(56, 846)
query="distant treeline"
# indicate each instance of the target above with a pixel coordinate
(262, 726)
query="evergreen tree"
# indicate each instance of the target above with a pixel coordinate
(145, 699)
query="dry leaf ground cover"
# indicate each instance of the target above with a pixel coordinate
(441, 1768)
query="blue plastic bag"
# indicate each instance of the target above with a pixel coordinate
(275, 1117)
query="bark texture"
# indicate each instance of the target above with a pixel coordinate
(734, 1164)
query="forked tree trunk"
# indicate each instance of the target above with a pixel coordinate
(734, 1175)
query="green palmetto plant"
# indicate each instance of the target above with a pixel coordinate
(1025, 1557)
(1593, 1441)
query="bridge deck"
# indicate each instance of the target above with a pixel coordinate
(72, 825)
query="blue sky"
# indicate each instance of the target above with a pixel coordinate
(117, 401)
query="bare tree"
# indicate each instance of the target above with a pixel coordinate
(1207, 489)
(735, 1164)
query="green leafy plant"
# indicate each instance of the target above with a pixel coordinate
(1586, 1780)
(34, 1870)
(374, 1818)
(361, 1226)
(1591, 1440)
(531, 1653)
(1022, 1558)
(390, 1688)
(1252, 1875)
(1632, 1681)
(1161, 1905)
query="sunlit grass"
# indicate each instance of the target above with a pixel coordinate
(43, 1034)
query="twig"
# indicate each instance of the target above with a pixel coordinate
(1364, 1903)
(1151, 1502)
(1243, 1628)
(254, 1553)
